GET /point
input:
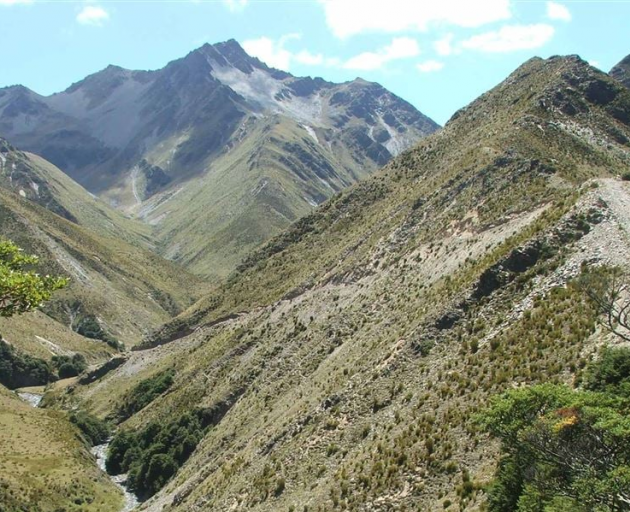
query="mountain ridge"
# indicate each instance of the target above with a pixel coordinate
(343, 363)
(138, 139)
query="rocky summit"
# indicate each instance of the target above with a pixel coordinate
(216, 152)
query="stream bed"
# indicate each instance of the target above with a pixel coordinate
(131, 501)
(32, 398)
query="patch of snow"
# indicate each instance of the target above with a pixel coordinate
(134, 184)
(311, 132)
(35, 187)
(259, 188)
(324, 182)
(157, 220)
(397, 142)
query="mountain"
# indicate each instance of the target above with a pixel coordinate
(121, 287)
(621, 72)
(36, 179)
(342, 366)
(216, 151)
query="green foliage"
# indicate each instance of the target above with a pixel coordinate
(95, 430)
(69, 366)
(22, 290)
(89, 327)
(21, 370)
(611, 374)
(564, 450)
(155, 453)
(144, 393)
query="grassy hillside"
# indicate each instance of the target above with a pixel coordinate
(340, 368)
(45, 467)
(125, 289)
(274, 175)
(36, 179)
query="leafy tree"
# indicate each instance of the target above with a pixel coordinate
(69, 366)
(21, 289)
(145, 392)
(611, 373)
(563, 450)
(151, 456)
(19, 370)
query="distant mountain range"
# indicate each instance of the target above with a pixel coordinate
(216, 151)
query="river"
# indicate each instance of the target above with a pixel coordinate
(131, 501)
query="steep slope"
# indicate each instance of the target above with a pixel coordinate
(342, 365)
(136, 136)
(621, 72)
(35, 179)
(123, 288)
(39, 447)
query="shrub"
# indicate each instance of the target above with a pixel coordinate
(69, 366)
(90, 327)
(562, 447)
(19, 370)
(155, 453)
(611, 373)
(144, 393)
(95, 430)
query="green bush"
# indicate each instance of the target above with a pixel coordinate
(89, 327)
(95, 430)
(69, 366)
(611, 373)
(153, 455)
(144, 393)
(563, 450)
(19, 370)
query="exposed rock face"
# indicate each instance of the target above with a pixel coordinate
(216, 150)
(107, 123)
(621, 72)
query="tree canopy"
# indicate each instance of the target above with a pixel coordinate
(564, 449)
(21, 288)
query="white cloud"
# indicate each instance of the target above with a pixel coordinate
(235, 5)
(269, 51)
(308, 58)
(350, 17)
(430, 66)
(557, 11)
(15, 2)
(92, 15)
(400, 48)
(511, 38)
(444, 46)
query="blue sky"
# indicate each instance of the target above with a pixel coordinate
(439, 55)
